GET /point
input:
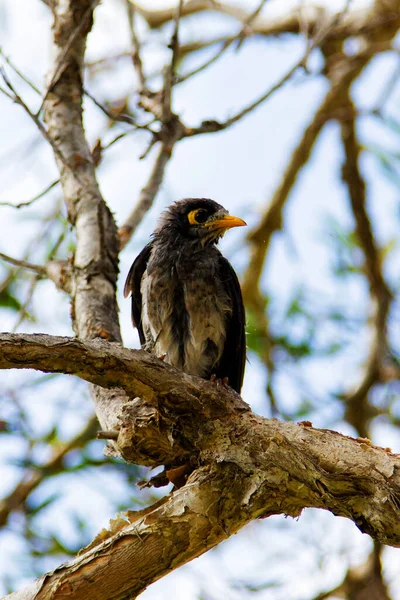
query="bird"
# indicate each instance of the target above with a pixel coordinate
(186, 299)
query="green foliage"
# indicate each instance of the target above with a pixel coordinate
(9, 300)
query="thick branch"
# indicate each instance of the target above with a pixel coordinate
(273, 467)
(95, 260)
(95, 266)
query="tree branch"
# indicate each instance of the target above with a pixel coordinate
(309, 17)
(275, 467)
(341, 72)
(358, 409)
(32, 200)
(136, 54)
(147, 194)
(95, 261)
(95, 265)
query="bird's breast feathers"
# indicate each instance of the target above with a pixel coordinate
(184, 315)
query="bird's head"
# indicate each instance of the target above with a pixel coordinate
(197, 219)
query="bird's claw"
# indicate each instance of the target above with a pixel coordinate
(224, 381)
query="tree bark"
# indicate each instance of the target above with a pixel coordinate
(190, 419)
(244, 467)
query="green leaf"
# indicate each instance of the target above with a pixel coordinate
(7, 300)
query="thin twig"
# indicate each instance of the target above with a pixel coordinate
(106, 60)
(18, 100)
(226, 44)
(19, 73)
(170, 69)
(115, 117)
(388, 89)
(213, 125)
(32, 200)
(23, 312)
(118, 138)
(136, 54)
(150, 146)
(146, 197)
(23, 263)
(247, 24)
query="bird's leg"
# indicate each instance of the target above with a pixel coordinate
(162, 356)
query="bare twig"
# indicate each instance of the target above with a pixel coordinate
(246, 29)
(118, 137)
(136, 51)
(341, 73)
(106, 61)
(18, 100)
(23, 263)
(388, 89)
(170, 69)
(320, 36)
(146, 197)
(226, 44)
(244, 32)
(32, 200)
(156, 18)
(19, 73)
(172, 130)
(213, 126)
(23, 310)
(118, 117)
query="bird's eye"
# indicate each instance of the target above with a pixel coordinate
(200, 215)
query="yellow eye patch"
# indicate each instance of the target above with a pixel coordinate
(198, 216)
(192, 217)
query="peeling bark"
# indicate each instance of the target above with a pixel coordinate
(273, 467)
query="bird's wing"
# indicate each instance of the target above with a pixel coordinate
(233, 359)
(132, 285)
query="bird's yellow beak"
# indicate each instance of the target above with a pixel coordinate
(226, 222)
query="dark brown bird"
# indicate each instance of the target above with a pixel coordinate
(186, 298)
